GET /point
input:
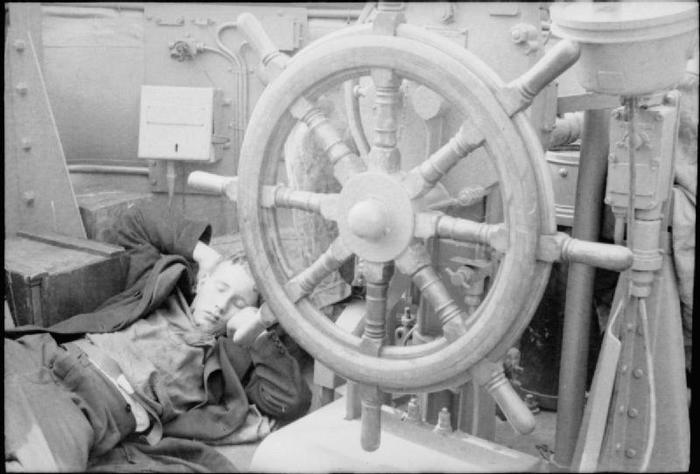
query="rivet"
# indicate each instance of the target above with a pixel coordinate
(621, 409)
(630, 453)
(517, 36)
(563, 172)
(618, 446)
(19, 45)
(26, 144)
(22, 88)
(632, 413)
(29, 197)
(623, 369)
(638, 373)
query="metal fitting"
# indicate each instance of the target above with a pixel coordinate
(444, 425)
(29, 197)
(413, 410)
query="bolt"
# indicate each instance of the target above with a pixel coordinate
(29, 197)
(630, 453)
(563, 172)
(26, 144)
(632, 413)
(19, 45)
(22, 88)
(443, 425)
(638, 373)
(413, 410)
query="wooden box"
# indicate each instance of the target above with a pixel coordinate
(50, 277)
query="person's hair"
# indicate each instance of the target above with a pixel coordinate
(240, 258)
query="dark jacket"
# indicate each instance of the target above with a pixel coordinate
(160, 259)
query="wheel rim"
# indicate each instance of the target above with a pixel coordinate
(436, 364)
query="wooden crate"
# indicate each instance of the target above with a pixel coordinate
(49, 277)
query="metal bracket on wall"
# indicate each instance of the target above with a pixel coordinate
(38, 191)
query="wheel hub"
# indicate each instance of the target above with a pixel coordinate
(376, 216)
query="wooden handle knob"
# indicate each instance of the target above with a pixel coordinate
(490, 375)
(611, 257)
(213, 183)
(557, 60)
(259, 39)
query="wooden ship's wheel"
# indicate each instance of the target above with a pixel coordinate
(380, 213)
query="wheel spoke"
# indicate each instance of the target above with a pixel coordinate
(345, 163)
(384, 155)
(435, 224)
(377, 277)
(282, 196)
(415, 262)
(305, 282)
(423, 177)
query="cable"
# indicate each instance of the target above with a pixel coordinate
(630, 105)
(242, 99)
(651, 436)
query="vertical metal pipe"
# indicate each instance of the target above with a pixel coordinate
(579, 285)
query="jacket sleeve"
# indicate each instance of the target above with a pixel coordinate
(276, 385)
(169, 232)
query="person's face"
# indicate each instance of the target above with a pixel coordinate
(221, 294)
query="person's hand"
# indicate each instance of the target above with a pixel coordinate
(245, 326)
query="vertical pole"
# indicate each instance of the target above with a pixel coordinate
(579, 287)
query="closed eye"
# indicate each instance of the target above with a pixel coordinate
(239, 303)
